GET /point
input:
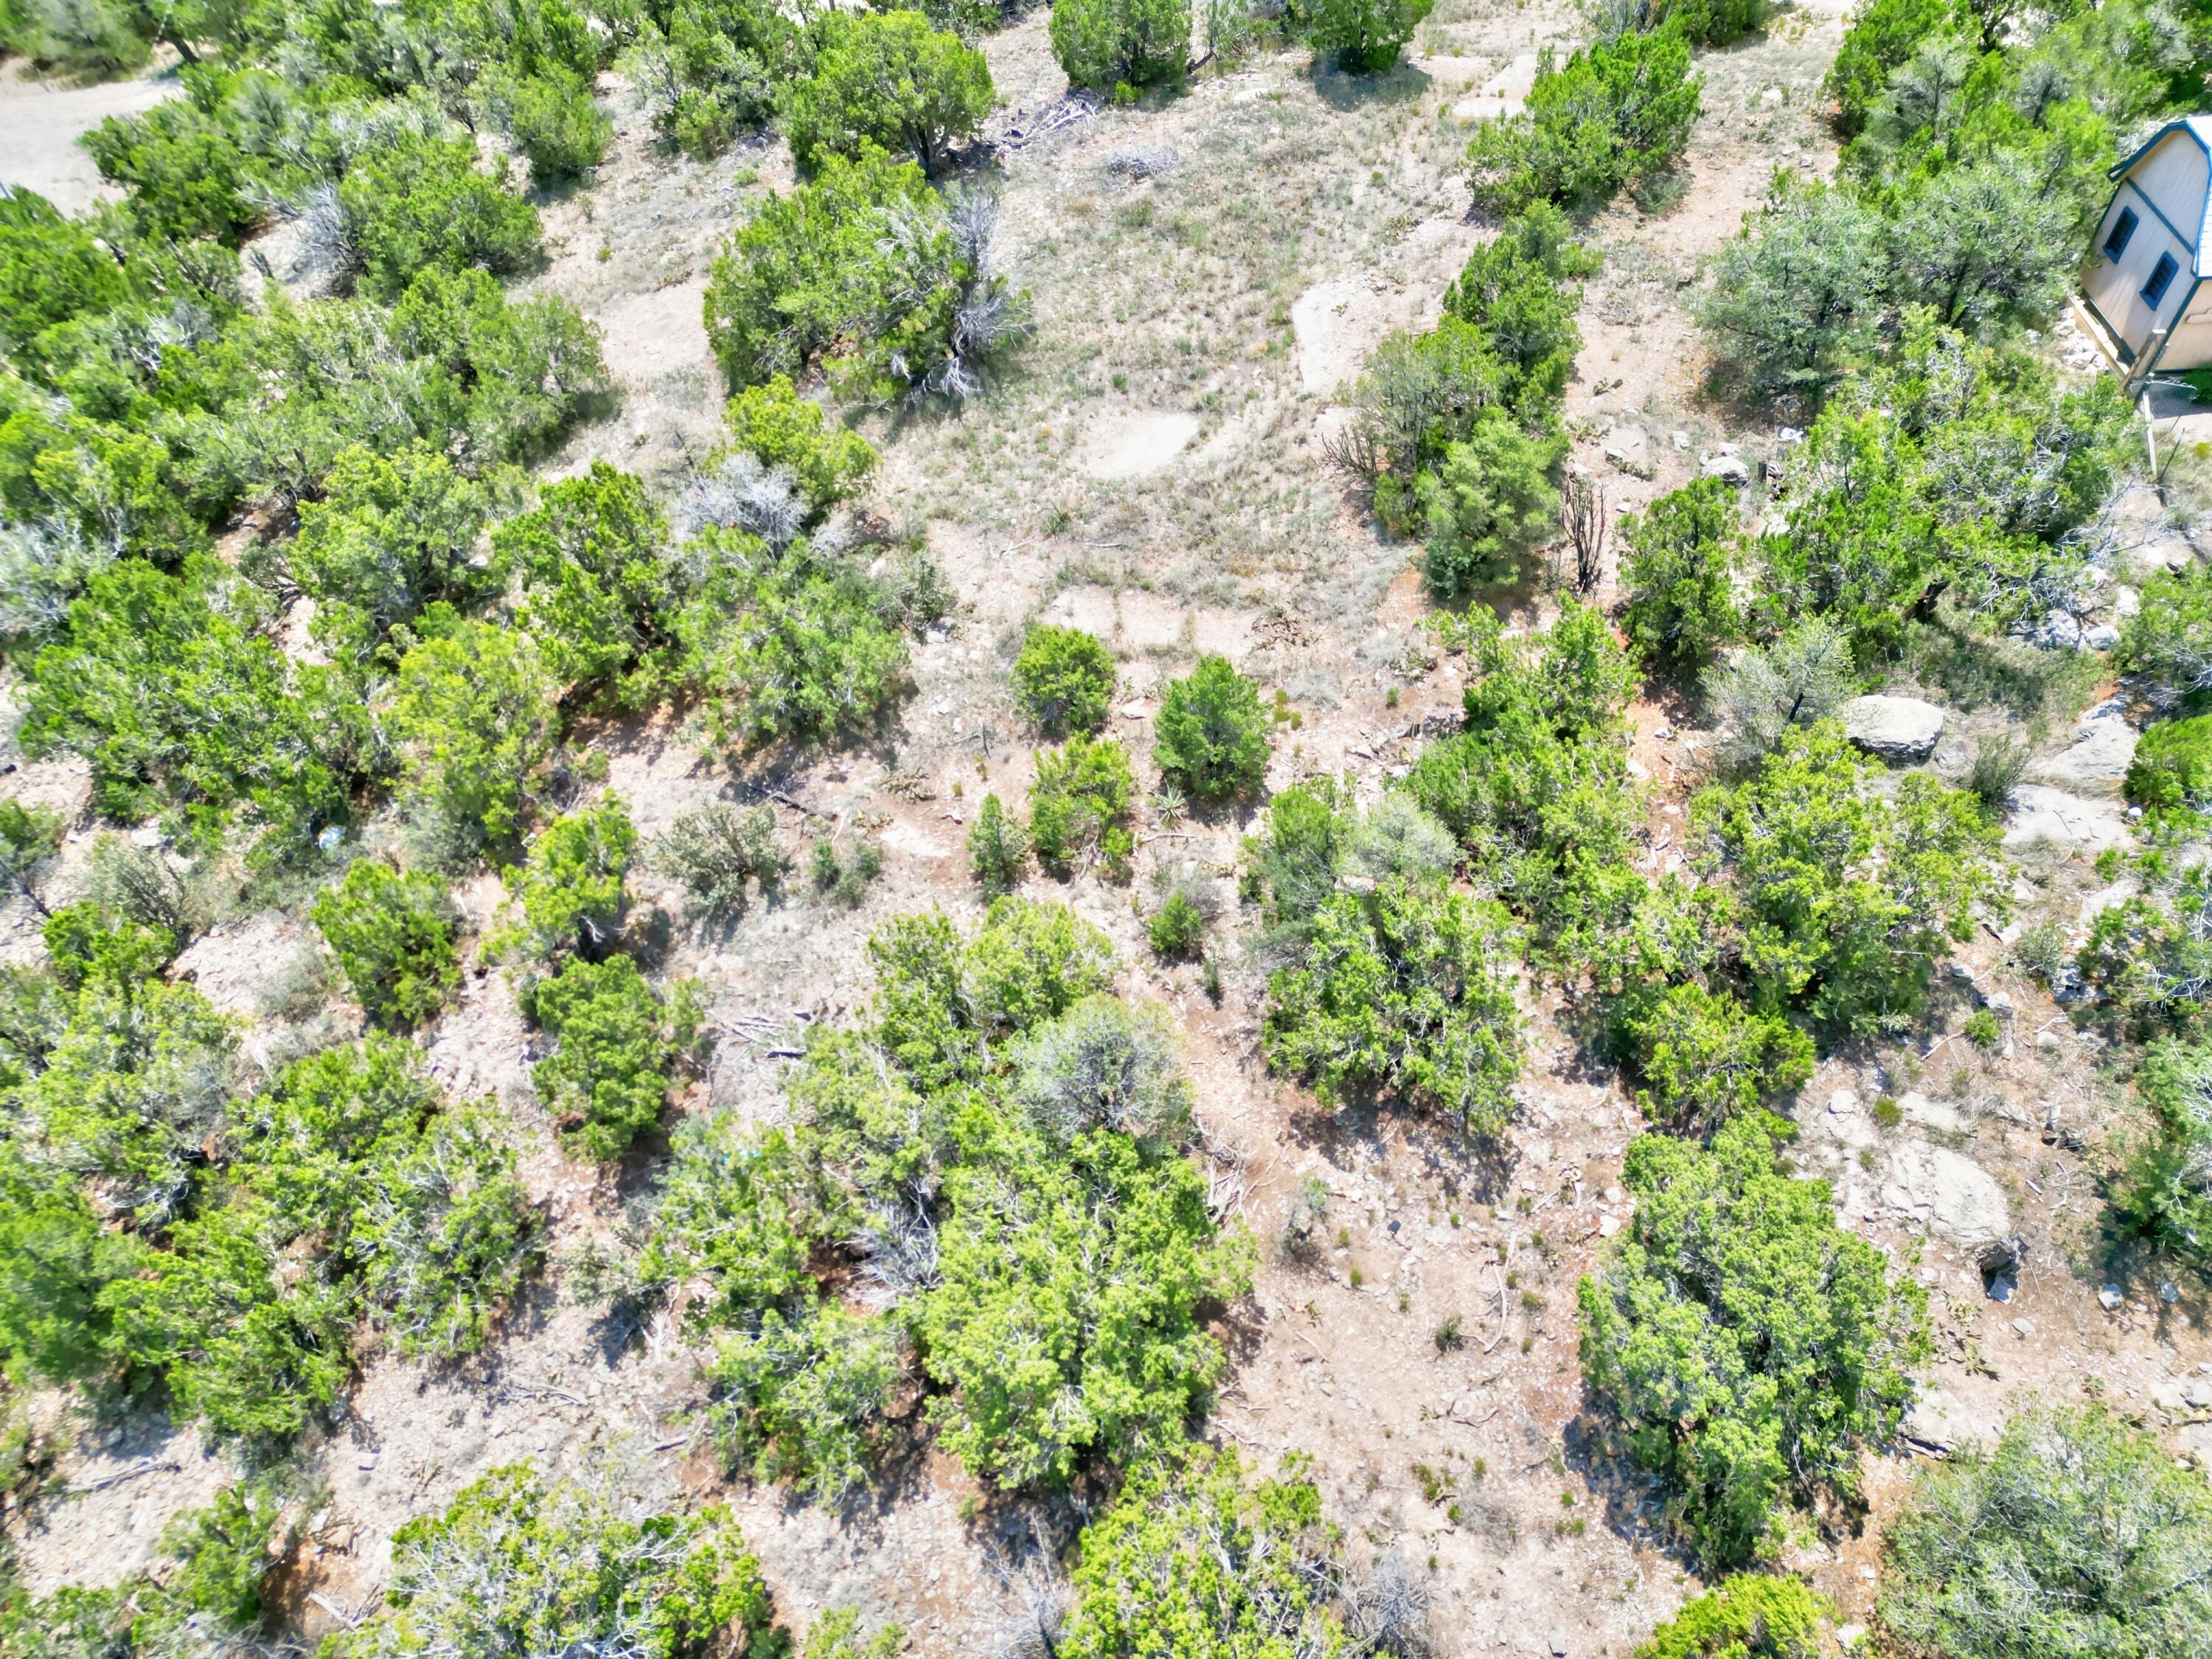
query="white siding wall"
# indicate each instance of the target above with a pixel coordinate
(2174, 178)
(2190, 345)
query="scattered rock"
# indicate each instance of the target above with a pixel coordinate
(2126, 602)
(2100, 636)
(1141, 161)
(1899, 729)
(1558, 1643)
(1949, 1193)
(1629, 449)
(2096, 762)
(1729, 469)
(2040, 813)
(2110, 1300)
(2058, 631)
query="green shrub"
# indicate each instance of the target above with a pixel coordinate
(2164, 1192)
(2076, 1534)
(1537, 787)
(1079, 805)
(1746, 1344)
(2171, 771)
(473, 719)
(1764, 692)
(716, 851)
(1522, 289)
(598, 590)
(865, 270)
(2169, 640)
(182, 171)
(1750, 1616)
(844, 878)
(1189, 1559)
(391, 534)
(1291, 866)
(1492, 498)
(1405, 990)
(393, 933)
(1614, 115)
(557, 127)
(1417, 393)
(889, 81)
(1212, 736)
(347, 1193)
(570, 887)
(522, 1564)
(1984, 246)
(1177, 929)
(805, 1401)
(619, 1046)
(1983, 1029)
(57, 1259)
(708, 71)
(1705, 22)
(1363, 37)
(1792, 299)
(173, 689)
(1679, 568)
(419, 204)
(728, 1220)
(30, 842)
(1064, 680)
(1851, 949)
(1031, 963)
(1882, 35)
(791, 647)
(1705, 1057)
(998, 848)
(836, 1635)
(416, 1204)
(1066, 1323)
(1104, 1063)
(1110, 43)
(773, 423)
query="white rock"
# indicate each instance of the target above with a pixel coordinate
(2102, 636)
(2040, 813)
(1947, 1192)
(2095, 763)
(1930, 1113)
(1729, 469)
(2126, 602)
(2109, 1298)
(1902, 730)
(1937, 1422)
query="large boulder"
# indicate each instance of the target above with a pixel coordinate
(1947, 1193)
(2096, 762)
(1900, 729)
(2070, 822)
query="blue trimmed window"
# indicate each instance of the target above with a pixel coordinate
(2123, 228)
(2162, 278)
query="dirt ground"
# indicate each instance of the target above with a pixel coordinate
(1152, 472)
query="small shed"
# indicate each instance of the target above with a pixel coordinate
(2148, 281)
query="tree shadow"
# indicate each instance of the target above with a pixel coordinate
(1346, 91)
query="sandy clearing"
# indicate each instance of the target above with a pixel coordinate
(1134, 446)
(41, 122)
